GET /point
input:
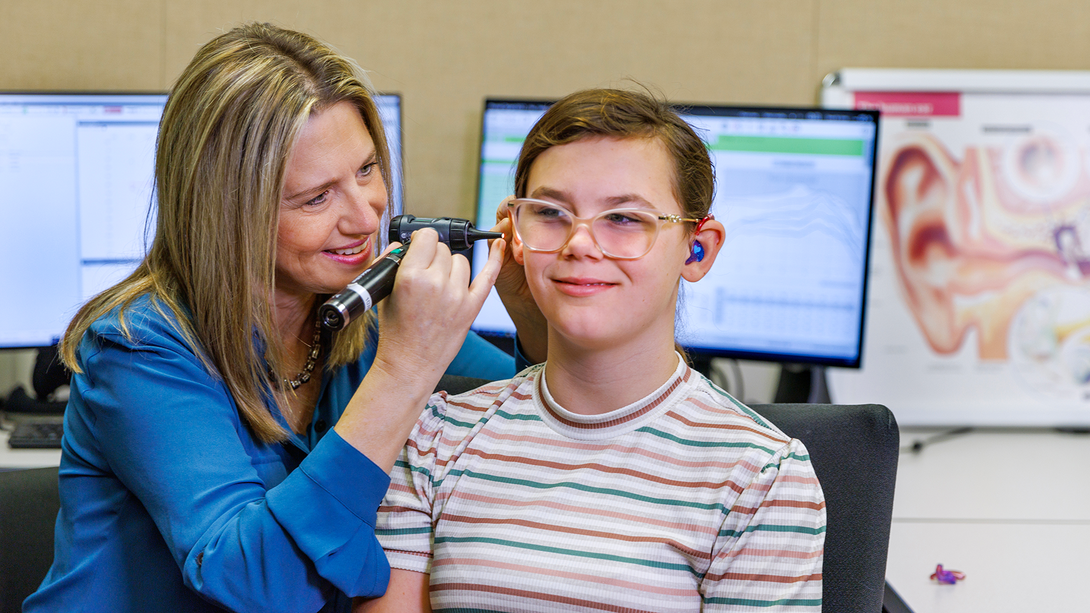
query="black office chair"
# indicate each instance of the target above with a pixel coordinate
(854, 450)
(28, 511)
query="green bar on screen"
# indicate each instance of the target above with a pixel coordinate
(782, 144)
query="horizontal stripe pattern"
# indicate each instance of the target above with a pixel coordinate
(680, 501)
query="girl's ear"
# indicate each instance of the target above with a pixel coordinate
(516, 251)
(513, 239)
(710, 239)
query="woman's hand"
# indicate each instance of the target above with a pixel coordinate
(530, 324)
(424, 321)
(422, 326)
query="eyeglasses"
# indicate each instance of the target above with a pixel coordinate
(623, 234)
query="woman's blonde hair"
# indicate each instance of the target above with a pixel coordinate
(229, 126)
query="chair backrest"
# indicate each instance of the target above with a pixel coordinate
(456, 384)
(854, 450)
(28, 511)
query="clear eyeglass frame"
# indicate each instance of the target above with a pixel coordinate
(659, 220)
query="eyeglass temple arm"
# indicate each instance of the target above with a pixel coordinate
(678, 219)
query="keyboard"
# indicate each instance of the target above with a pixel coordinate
(36, 434)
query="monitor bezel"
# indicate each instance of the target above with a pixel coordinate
(396, 203)
(89, 94)
(700, 353)
(800, 112)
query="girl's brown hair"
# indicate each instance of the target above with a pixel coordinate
(625, 114)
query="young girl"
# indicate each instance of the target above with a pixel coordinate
(613, 477)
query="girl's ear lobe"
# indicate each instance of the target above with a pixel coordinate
(516, 250)
(507, 226)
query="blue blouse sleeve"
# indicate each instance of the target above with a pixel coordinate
(242, 538)
(521, 361)
(483, 360)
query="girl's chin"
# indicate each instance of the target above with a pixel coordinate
(589, 337)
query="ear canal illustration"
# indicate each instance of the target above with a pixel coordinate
(970, 249)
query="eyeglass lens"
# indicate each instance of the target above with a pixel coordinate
(622, 233)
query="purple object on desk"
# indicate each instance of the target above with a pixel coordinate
(947, 576)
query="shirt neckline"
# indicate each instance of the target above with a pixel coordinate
(616, 422)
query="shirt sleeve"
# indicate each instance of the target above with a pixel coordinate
(768, 555)
(404, 524)
(171, 433)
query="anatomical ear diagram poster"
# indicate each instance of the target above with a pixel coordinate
(979, 305)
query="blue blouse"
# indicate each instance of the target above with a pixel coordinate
(168, 502)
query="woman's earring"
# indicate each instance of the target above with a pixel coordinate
(696, 254)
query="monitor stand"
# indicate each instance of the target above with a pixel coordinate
(702, 364)
(802, 383)
(48, 375)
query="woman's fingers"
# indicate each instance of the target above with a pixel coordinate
(502, 211)
(434, 301)
(485, 279)
(449, 274)
(388, 249)
(514, 292)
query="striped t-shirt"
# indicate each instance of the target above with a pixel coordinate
(684, 501)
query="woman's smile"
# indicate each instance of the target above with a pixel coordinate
(353, 255)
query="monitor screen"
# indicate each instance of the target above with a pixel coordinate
(794, 188)
(389, 110)
(76, 178)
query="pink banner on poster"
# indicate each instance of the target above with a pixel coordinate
(911, 104)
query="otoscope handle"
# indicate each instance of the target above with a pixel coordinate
(377, 281)
(373, 285)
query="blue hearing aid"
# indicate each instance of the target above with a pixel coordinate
(696, 254)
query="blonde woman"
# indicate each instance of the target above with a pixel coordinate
(221, 451)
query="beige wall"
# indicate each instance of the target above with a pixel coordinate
(445, 56)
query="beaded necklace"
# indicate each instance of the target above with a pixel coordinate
(312, 359)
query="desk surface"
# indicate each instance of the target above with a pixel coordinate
(1009, 508)
(25, 458)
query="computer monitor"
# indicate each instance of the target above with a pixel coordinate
(794, 191)
(389, 110)
(76, 181)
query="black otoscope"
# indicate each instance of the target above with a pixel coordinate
(377, 281)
